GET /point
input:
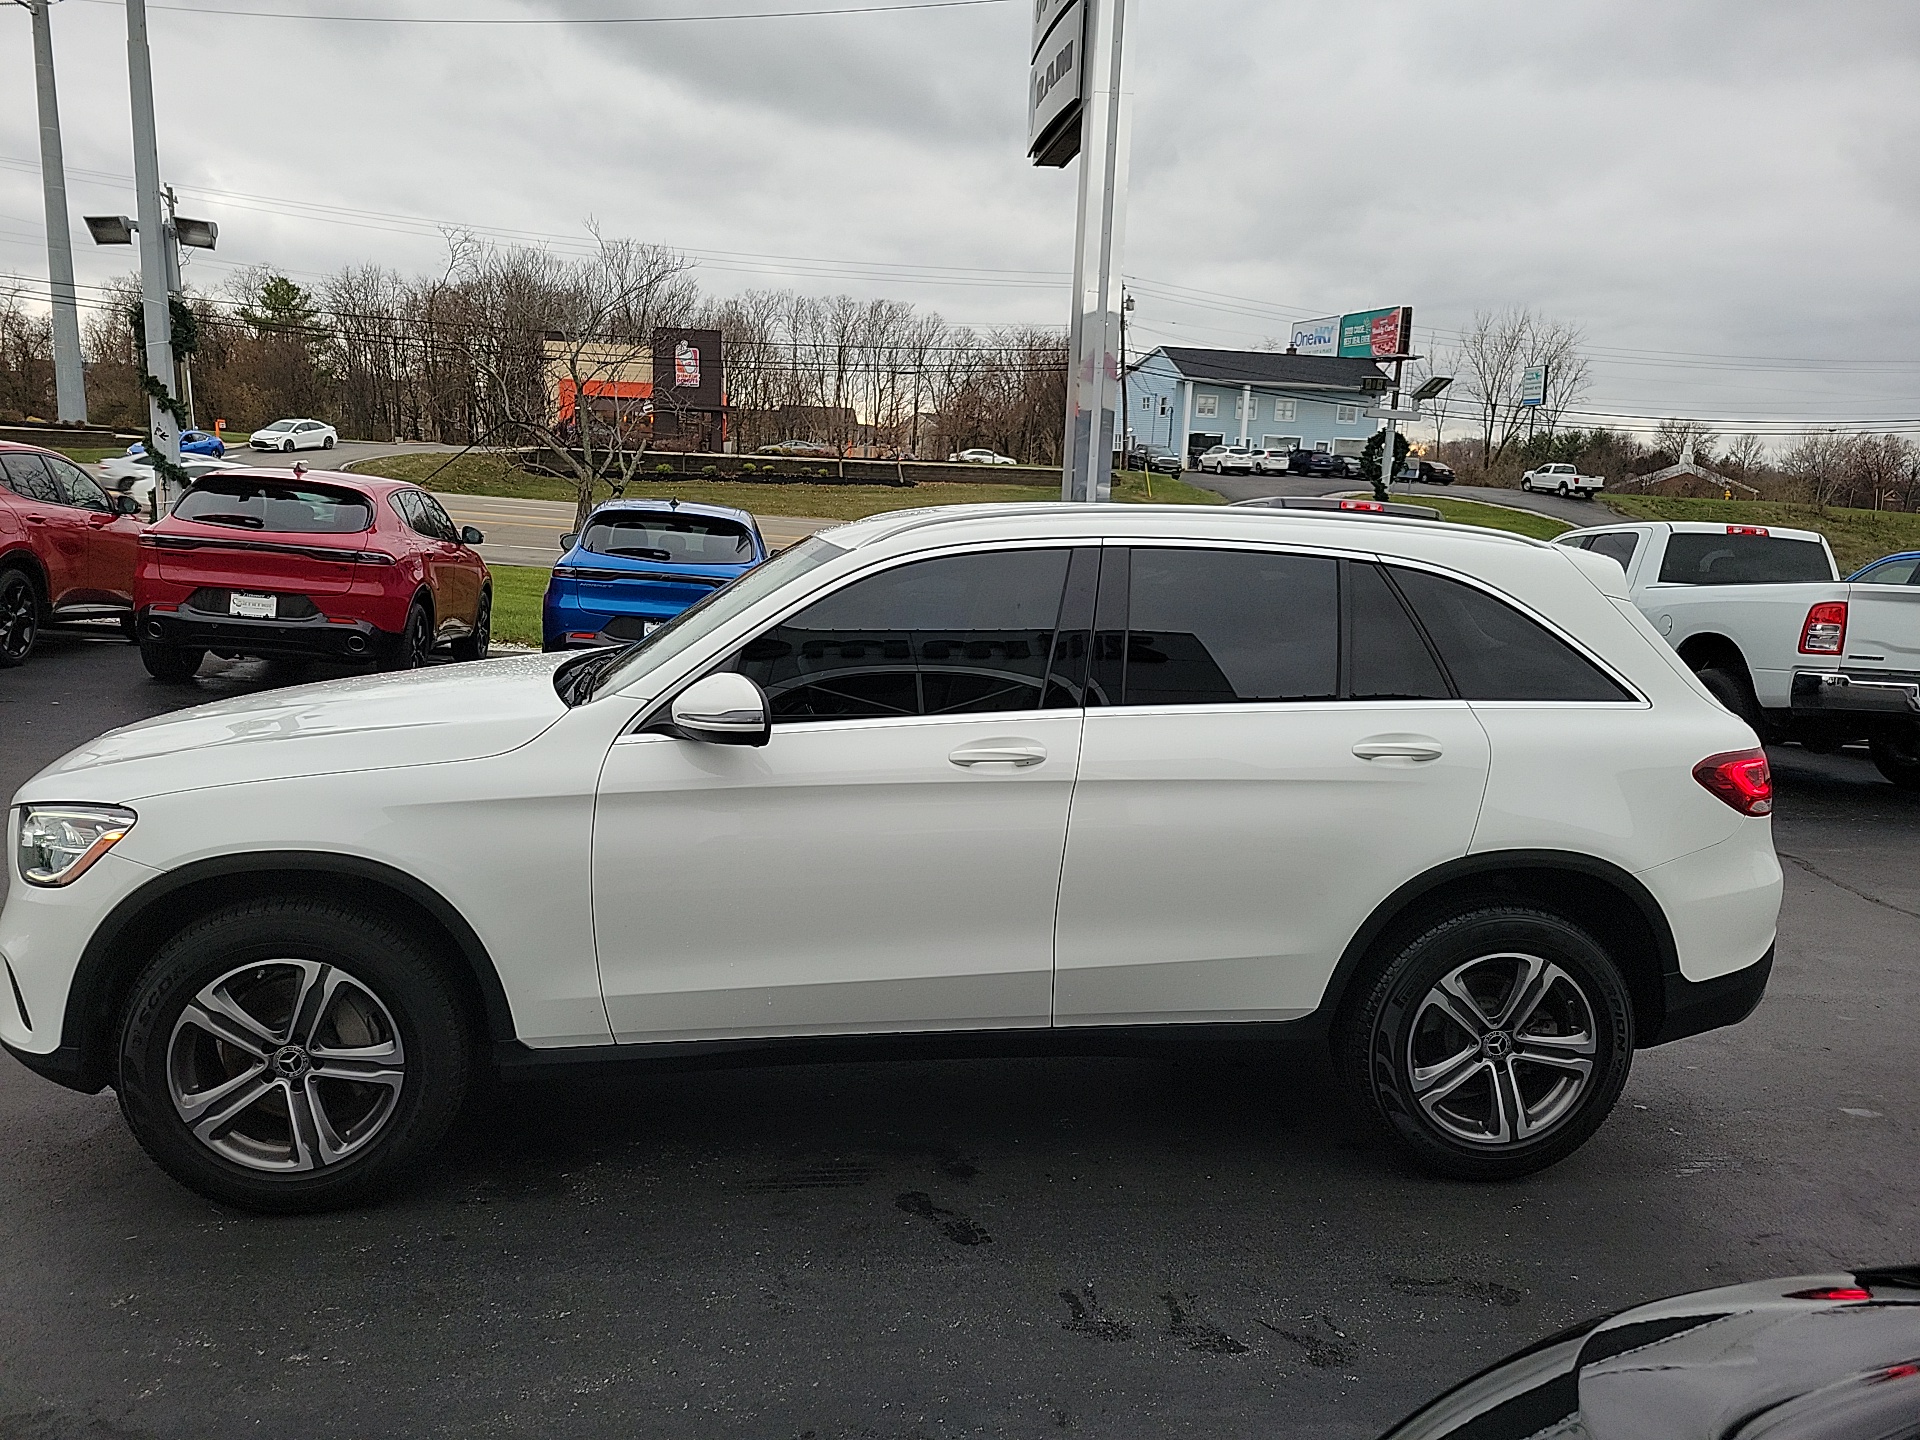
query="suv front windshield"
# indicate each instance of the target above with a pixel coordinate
(622, 667)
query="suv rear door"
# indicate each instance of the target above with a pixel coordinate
(1271, 749)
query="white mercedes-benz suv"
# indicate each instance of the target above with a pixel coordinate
(973, 780)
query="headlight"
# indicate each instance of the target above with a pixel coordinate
(59, 843)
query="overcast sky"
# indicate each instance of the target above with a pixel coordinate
(1725, 195)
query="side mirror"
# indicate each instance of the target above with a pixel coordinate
(569, 540)
(723, 709)
(125, 504)
(471, 536)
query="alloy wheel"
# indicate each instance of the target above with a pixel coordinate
(285, 1065)
(19, 618)
(1501, 1049)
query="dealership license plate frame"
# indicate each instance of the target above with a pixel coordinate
(250, 605)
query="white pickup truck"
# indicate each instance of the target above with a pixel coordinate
(1562, 480)
(1764, 620)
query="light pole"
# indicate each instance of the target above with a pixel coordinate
(195, 234)
(163, 406)
(69, 378)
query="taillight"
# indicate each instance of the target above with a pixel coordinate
(1825, 632)
(1746, 529)
(1837, 1292)
(1741, 778)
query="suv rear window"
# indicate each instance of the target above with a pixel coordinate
(1695, 559)
(670, 536)
(271, 506)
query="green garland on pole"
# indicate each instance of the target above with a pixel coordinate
(186, 339)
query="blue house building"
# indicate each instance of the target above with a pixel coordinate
(1189, 400)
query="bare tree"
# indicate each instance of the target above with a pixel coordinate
(1439, 409)
(1819, 463)
(1679, 438)
(1745, 455)
(1490, 355)
(1555, 345)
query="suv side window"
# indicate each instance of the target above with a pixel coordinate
(1229, 627)
(1387, 657)
(1493, 652)
(439, 524)
(407, 502)
(76, 486)
(27, 477)
(954, 635)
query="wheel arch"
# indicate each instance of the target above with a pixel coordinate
(145, 920)
(1593, 893)
(24, 560)
(1710, 648)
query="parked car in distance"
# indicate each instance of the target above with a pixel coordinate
(798, 447)
(835, 808)
(1227, 459)
(1761, 615)
(980, 457)
(1427, 472)
(1902, 569)
(1808, 1357)
(639, 563)
(1156, 458)
(1270, 462)
(290, 435)
(297, 565)
(67, 549)
(1562, 479)
(192, 442)
(1322, 462)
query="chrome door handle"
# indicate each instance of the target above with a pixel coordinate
(1399, 747)
(1017, 753)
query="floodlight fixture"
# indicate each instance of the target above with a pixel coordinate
(1431, 387)
(111, 229)
(195, 234)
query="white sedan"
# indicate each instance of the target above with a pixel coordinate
(133, 474)
(1438, 791)
(981, 457)
(285, 435)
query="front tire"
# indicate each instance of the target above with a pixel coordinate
(475, 646)
(19, 617)
(170, 664)
(1527, 486)
(1896, 754)
(291, 1055)
(1493, 1044)
(327, 444)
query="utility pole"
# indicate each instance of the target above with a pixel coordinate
(69, 378)
(1125, 427)
(155, 270)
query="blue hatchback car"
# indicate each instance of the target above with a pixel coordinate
(641, 562)
(192, 442)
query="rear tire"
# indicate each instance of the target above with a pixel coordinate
(1493, 1044)
(170, 664)
(352, 1032)
(475, 646)
(1734, 694)
(19, 617)
(410, 651)
(1562, 492)
(1896, 754)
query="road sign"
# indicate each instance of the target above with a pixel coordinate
(1056, 81)
(1533, 385)
(1385, 414)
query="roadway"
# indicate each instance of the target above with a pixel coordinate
(1200, 1246)
(1254, 487)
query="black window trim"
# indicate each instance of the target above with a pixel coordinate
(1580, 648)
(651, 715)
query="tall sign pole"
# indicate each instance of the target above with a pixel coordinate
(155, 238)
(1077, 106)
(69, 380)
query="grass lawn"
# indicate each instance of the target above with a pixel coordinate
(484, 474)
(1495, 517)
(516, 603)
(92, 455)
(1857, 536)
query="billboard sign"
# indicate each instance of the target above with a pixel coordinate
(1377, 334)
(1317, 337)
(1054, 81)
(1533, 385)
(688, 369)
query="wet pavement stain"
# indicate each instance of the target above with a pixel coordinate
(1089, 1319)
(1323, 1343)
(820, 1175)
(1454, 1286)
(1196, 1334)
(955, 1226)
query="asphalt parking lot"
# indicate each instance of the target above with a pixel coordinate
(1200, 1246)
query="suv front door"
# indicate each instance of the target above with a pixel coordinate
(890, 859)
(112, 543)
(1274, 750)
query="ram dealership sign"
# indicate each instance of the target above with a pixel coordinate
(1054, 81)
(1364, 335)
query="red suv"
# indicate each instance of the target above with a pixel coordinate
(307, 565)
(67, 549)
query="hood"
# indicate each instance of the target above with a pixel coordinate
(372, 722)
